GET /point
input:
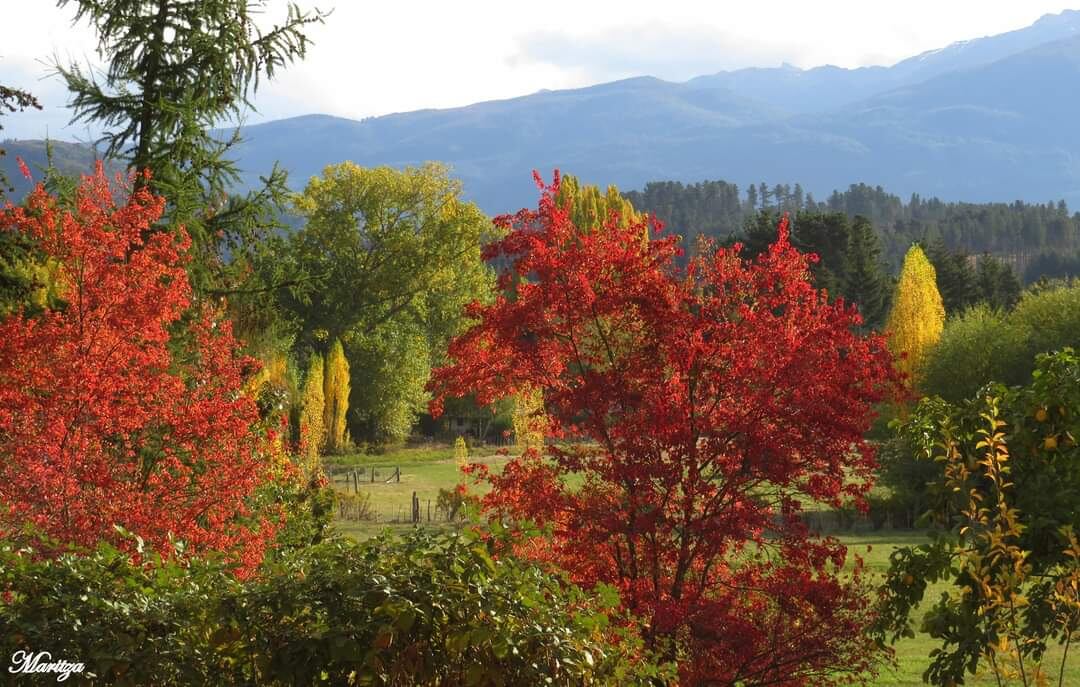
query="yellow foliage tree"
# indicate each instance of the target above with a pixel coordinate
(461, 452)
(336, 389)
(917, 317)
(312, 410)
(589, 208)
(529, 420)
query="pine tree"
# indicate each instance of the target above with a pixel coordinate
(312, 412)
(955, 277)
(336, 397)
(997, 283)
(174, 73)
(917, 317)
(865, 282)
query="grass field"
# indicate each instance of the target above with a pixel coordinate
(423, 470)
(912, 654)
(427, 470)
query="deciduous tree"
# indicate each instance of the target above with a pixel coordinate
(104, 421)
(1005, 498)
(717, 401)
(394, 257)
(312, 412)
(917, 316)
(335, 397)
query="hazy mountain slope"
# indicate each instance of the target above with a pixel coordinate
(991, 119)
(828, 88)
(70, 158)
(610, 129)
(996, 132)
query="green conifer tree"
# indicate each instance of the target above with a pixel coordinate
(865, 282)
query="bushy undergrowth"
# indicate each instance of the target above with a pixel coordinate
(427, 609)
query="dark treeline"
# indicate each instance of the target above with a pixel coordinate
(1035, 239)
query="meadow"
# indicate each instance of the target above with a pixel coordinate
(426, 470)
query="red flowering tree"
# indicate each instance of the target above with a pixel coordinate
(719, 400)
(104, 419)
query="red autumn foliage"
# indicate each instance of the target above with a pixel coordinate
(718, 400)
(104, 419)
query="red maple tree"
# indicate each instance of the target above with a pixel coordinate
(717, 401)
(105, 418)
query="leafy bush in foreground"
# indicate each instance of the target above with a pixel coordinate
(428, 609)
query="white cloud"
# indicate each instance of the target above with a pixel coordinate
(377, 58)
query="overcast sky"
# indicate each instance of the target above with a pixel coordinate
(373, 58)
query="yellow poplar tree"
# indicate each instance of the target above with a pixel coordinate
(528, 420)
(336, 396)
(461, 452)
(312, 411)
(917, 317)
(589, 208)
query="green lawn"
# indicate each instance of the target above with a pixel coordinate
(912, 654)
(423, 470)
(426, 470)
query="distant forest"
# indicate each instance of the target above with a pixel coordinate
(1036, 240)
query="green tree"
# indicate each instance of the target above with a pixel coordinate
(955, 277)
(390, 368)
(982, 344)
(1006, 495)
(977, 346)
(849, 256)
(336, 386)
(866, 283)
(393, 257)
(997, 282)
(173, 72)
(917, 316)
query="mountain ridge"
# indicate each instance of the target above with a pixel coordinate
(985, 119)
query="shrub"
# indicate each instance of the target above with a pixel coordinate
(983, 345)
(1006, 493)
(429, 609)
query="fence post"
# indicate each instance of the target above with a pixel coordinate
(397, 474)
(373, 474)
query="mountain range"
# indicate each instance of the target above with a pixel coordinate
(994, 118)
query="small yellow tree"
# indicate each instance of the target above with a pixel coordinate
(589, 208)
(336, 389)
(461, 452)
(528, 420)
(917, 317)
(312, 411)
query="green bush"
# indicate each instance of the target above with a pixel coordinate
(1008, 482)
(424, 610)
(982, 345)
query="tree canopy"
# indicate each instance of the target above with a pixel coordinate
(390, 258)
(174, 73)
